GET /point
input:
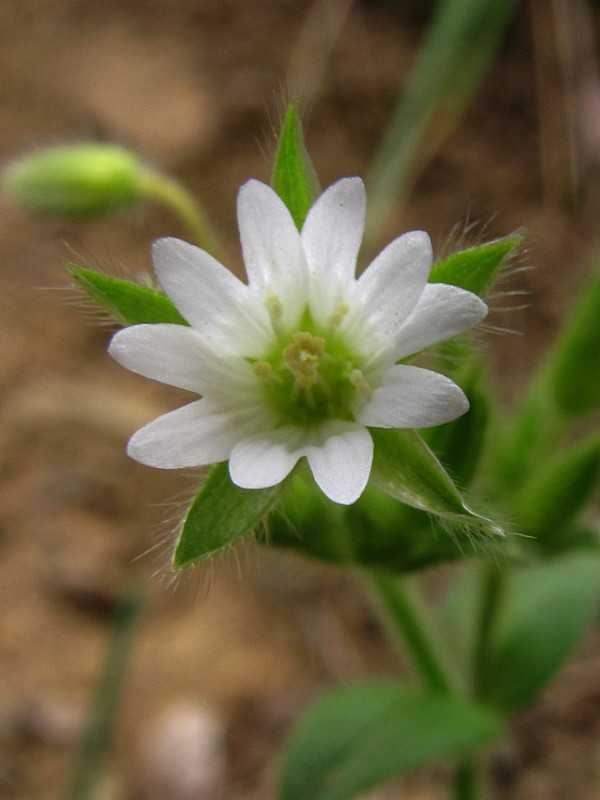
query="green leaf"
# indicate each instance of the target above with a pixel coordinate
(574, 368)
(548, 610)
(474, 269)
(560, 490)
(129, 303)
(405, 468)
(220, 515)
(293, 177)
(361, 735)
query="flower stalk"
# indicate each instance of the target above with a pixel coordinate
(164, 189)
(406, 613)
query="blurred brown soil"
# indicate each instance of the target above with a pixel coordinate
(197, 87)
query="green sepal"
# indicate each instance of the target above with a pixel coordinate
(474, 269)
(220, 515)
(574, 367)
(407, 539)
(293, 177)
(406, 468)
(359, 736)
(559, 492)
(548, 610)
(128, 303)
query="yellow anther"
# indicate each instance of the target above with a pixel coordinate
(262, 369)
(339, 312)
(357, 379)
(273, 306)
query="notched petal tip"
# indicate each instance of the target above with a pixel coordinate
(341, 465)
(257, 462)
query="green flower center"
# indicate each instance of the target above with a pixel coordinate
(311, 375)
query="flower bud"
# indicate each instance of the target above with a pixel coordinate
(76, 180)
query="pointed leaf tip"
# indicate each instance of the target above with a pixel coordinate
(221, 514)
(128, 303)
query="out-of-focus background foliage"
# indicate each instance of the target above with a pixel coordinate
(225, 658)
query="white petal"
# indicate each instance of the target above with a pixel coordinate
(411, 397)
(331, 237)
(190, 436)
(199, 285)
(271, 247)
(179, 356)
(166, 353)
(341, 465)
(339, 454)
(266, 459)
(443, 311)
(208, 295)
(390, 287)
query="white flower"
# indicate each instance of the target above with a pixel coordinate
(303, 359)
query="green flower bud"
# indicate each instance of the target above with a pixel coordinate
(76, 180)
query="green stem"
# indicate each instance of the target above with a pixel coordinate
(466, 777)
(490, 602)
(466, 785)
(169, 192)
(97, 736)
(406, 612)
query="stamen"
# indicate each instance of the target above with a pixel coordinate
(274, 307)
(357, 379)
(262, 369)
(339, 313)
(301, 355)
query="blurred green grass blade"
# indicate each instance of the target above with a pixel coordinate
(221, 514)
(97, 737)
(459, 46)
(128, 303)
(529, 441)
(566, 387)
(561, 490)
(574, 368)
(360, 735)
(293, 177)
(474, 269)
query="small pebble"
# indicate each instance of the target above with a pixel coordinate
(182, 754)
